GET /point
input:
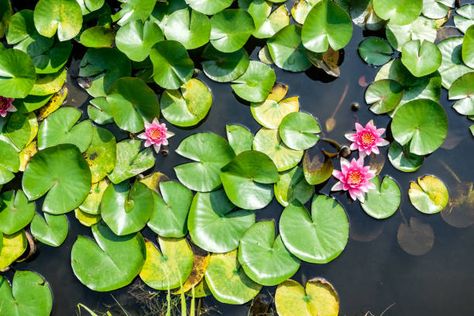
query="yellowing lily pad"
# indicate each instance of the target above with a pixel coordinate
(11, 248)
(428, 195)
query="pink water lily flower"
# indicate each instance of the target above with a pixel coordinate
(367, 139)
(156, 135)
(354, 178)
(6, 105)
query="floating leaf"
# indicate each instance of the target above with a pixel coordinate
(53, 104)
(298, 130)
(428, 195)
(108, 263)
(327, 25)
(97, 37)
(101, 154)
(265, 259)
(91, 204)
(363, 15)
(227, 281)
(230, 29)
(384, 96)
(422, 29)
(468, 47)
(437, 9)
(209, 7)
(210, 152)
(240, 138)
(402, 159)
(224, 67)
(21, 129)
(400, 12)
(49, 84)
(214, 224)
(200, 263)
(287, 51)
(464, 17)
(292, 186)
(132, 10)
(375, 51)
(15, 212)
(136, 39)
(9, 164)
(421, 57)
(51, 230)
(267, 23)
(61, 16)
(317, 169)
(256, 83)
(416, 237)
(169, 267)
(131, 161)
(62, 174)
(11, 248)
(383, 201)
(319, 237)
(187, 106)
(86, 219)
(88, 6)
(462, 90)
(189, 27)
(17, 73)
(452, 66)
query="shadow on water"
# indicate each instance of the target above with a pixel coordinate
(373, 272)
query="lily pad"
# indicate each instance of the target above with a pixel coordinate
(97, 37)
(292, 186)
(30, 294)
(402, 159)
(400, 12)
(327, 25)
(240, 138)
(17, 73)
(63, 17)
(91, 204)
(375, 51)
(209, 7)
(136, 39)
(168, 267)
(210, 152)
(422, 124)
(464, 17)
(214, 224)
(301, 9)
(171, 210)
(187, 106)
(227, 281)
(61, 128)
(51, 230)
(265, 259)
(190, 28)
(452, 66)
(15, 212)
(126, 208)
(11, 248)
(287, 50)
(60, 173)
(49, 84)
(172, 66)
(319, 237)
(437, 9)
(131, 161)
(298, 130)
(462, 90)
(256, 83)
(9, 164)
(268, 142)
(383, 201)
(110, 262)
(230, 29)
(363, 15)
(468, 47)
(267, 23)
(247, 180)
(86, 219)
(132, 10)
(318, 168)
(101, 154)
(428, 194)
(421, 57)
(224, 67)
(420, 29)
(21, 129)
(384, 96)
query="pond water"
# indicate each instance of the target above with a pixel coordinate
(373, 274)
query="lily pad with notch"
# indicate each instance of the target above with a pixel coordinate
(292, 186)
(50, 230)
(16, 212)
(240, 138)
(224, 67)
(401, 158)
(421, 57)
(428, 194)
(400, 12)
(18, 73)
(189, 27)
(462, 91)
(61, 17)
(101, 154)
(299, 130)
(375, 51)
(384, 96)
(383, 201)
(230, 30)
(287, 50)
(256, 83)
(137, 38)
(452, 66)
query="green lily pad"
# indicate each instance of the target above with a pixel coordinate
(318, 168)
(428, 194)
(230, 29)
(97, 37)
(319, 237)
(292, 186)
(400, 12)
(267, 23)
(49, 84)
(108, 263)
(61, 128)
(131, 102)
(210, 152)
(422, 29)
(30, 294)
(168, 267)
(452, 66)
(268, 142)
(468, 47)
(171, 209)
(32, 102)
(384, 96)
(402, 159)
(214, 224)
(301, 9)
(60, 173)
(287, 51)
(383, 201)
(101, 154)
(98, 111)
(9, 164)
(126, 208)
(375, 51)
(137, 38)
(265, 259)
(227, 281)
(209, 7)
(224, 67)
(187, 106)
(172, 66)
(298, 130)
(240, 138)
(363, 15)
(21, 129)
(462, 90)
(464, 17)
(327, 25)
(131, 161)
(132, 10)
(91, 204)
(86, 219)
(247, 180)
(15, 212)
(421, 123)
(63, 17)
(17, 73)
(189, 27)
(437, 9)
(51, 230)
(11, 248)
(421, 57)
(271, 112)
(256, 83)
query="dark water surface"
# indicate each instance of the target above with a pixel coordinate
(373, 273)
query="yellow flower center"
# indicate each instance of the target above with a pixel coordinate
(367, 138)
(354, 177)
(156, 134)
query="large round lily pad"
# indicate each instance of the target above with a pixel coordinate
(421, 123)
(287, 50)
(51, 230)
(256, 83)
(110, 262)
(63, 17)
(428, 194)
(248, 180)
(190, 28)
(265, 259)
(209, 7)
(224, 67)
(17, 73)
(214, 224)
(298, 130)
(318, 237)
(398, 12)
(227, 281)
(383, 201)
(136, 39)
(421, 57)
(230, 29)
(15, 211)
(62, 174)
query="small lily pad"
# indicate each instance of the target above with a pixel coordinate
(462, 90)
(256, 83)
(464, 17)
(11, 248)
(383, 201)
(91, 204)
(298, 130)
(421, 57)
(224, 67)
(15, 212)
(230, 29)
(402, 159)
(428, 194)
(384, 96)
(51, 230)
(400, 12)
(292, 186)
(63, 17)
(190, 28)
(136, 39)
(101, 154)
(375, 51)
(240, 138)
